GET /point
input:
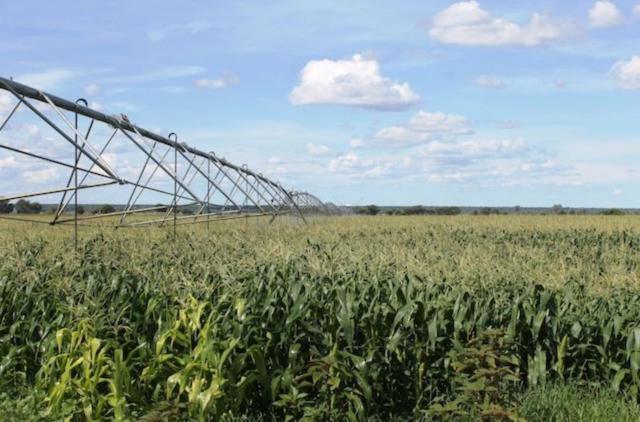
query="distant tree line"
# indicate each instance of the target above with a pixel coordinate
(612, 211)
(24, 206)
(104, 209)
(420, 210)
(21, 207)
(367, 210)
(556, 209)
(488, 211)
(415, 210)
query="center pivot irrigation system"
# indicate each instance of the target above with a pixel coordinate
(167, 182)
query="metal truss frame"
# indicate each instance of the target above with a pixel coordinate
(243, 192)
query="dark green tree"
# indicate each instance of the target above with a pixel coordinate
(372, 210)
(25, 207)
(6, 207)
(107, 209)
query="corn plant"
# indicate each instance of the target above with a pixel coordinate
(347, 318)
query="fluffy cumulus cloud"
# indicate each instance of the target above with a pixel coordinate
(604, 13)
(466, 23)
(348, 162)
(319, 150)
(423, 127)
(356, 82)
(487, 81)
(436, 147)
(627, 73)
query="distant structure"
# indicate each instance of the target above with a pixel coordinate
(112, 155)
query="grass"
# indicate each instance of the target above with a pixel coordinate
(571, 404)
(352, 317)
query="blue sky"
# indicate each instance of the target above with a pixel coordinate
(394, 103)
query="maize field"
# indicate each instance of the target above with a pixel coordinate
(347, 318)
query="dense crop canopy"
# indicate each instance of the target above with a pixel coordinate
(351, 317)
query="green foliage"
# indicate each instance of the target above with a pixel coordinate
(453, 316)
(447, 211)
(417, 210)
(25, 207)
(6, 207)
(105, 209)
(612, 211)
(422, 210)
(489, 211)
(368, 210)
(564, 403)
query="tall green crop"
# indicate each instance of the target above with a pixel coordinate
(425, 317)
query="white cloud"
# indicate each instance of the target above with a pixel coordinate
(219, 83)
(356, 83)
(356, 143)
(163, 73)
(425, 126)
(509, 124)
(348, 162)
(475, 149)
(424, 121)
(478, 162)
(211, 83)
(92, 89)
(159, 34)
(401, 136)
(47, 80)
(319, 150)
(352, 165)
(448, 154)
(6, 103)
(9, 162)
(466, 23)
(276, 171)
(636, 9)
(617, 192)
(487, 81)
(96, 106)
(32, 131)
(275, 160)
(123, 106)
(604, 13)
(40, 176)
(627, 73)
